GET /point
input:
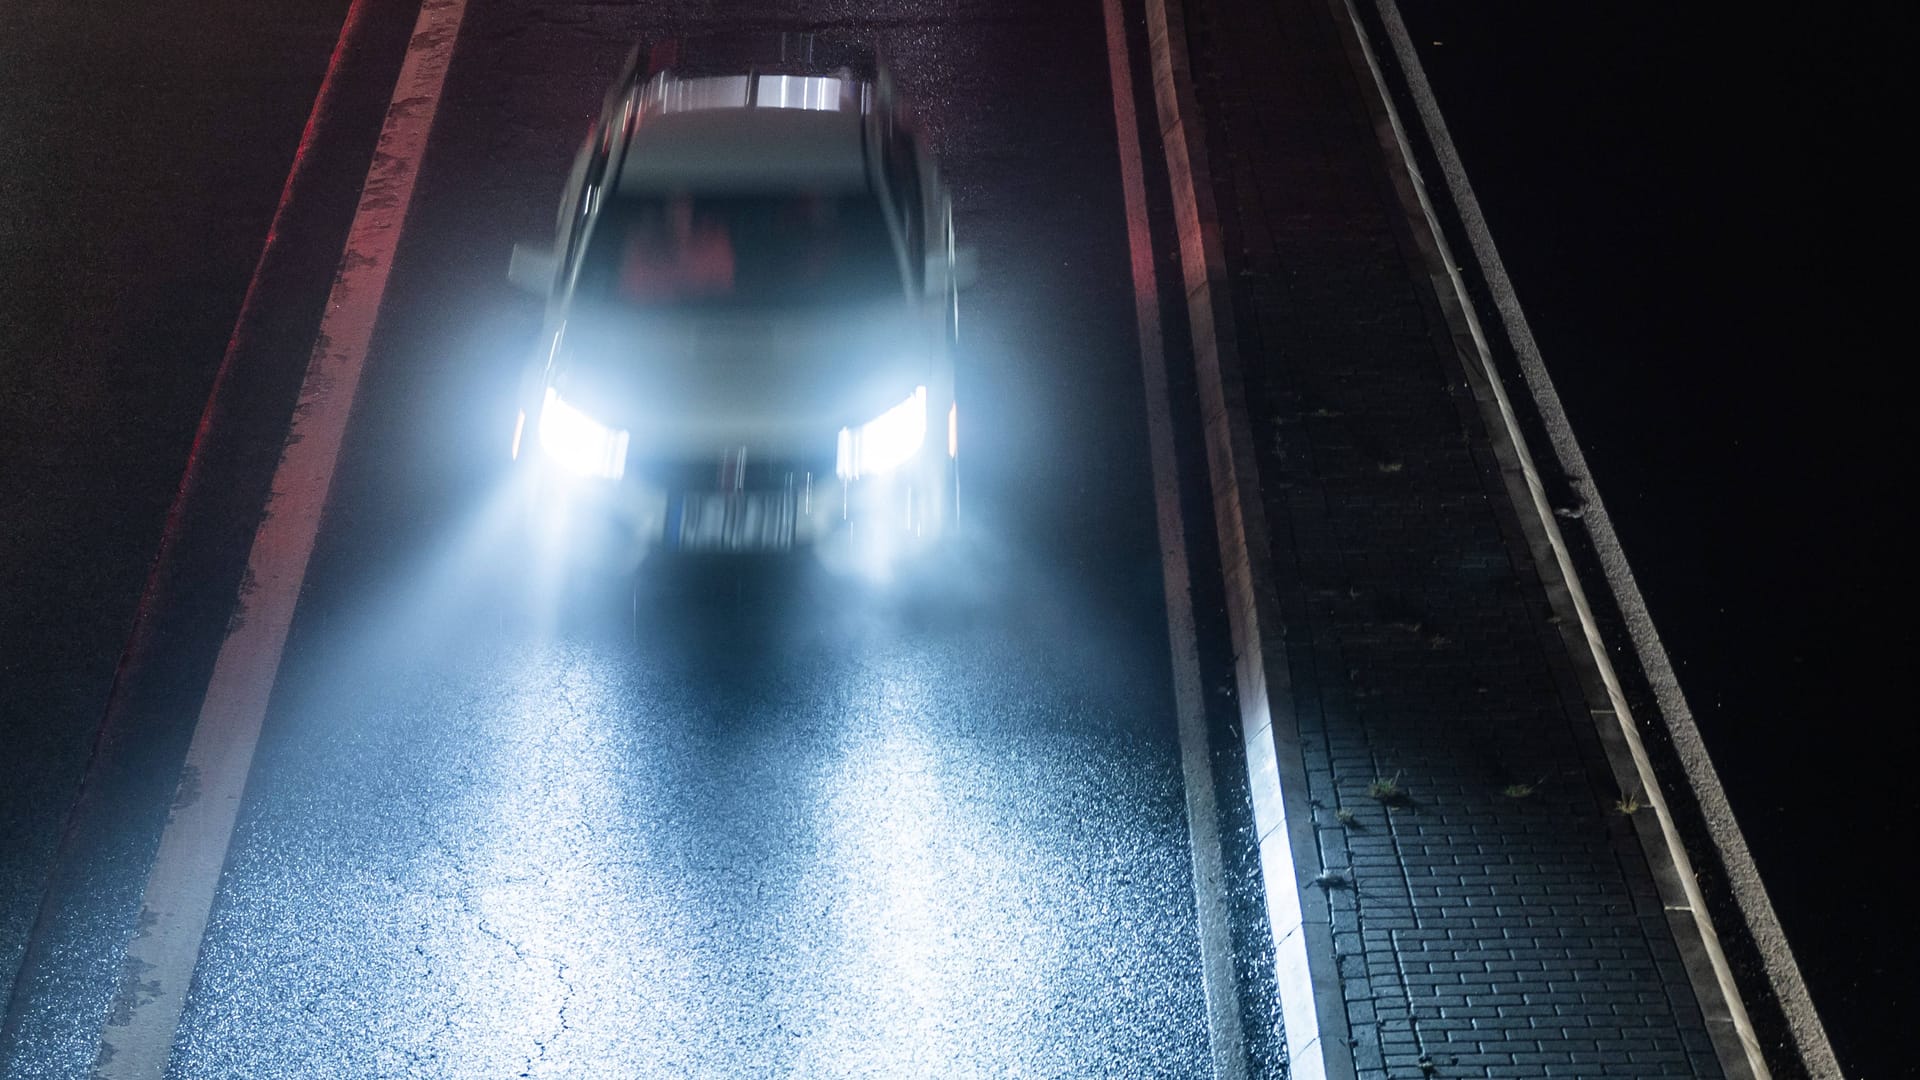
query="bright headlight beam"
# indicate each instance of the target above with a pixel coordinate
(886, 442)
(579, 443)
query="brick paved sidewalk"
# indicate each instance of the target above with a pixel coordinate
(1498, 917)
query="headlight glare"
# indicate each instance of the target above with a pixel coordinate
(579, 443)
(886, 442)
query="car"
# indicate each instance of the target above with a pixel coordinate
(752, 315)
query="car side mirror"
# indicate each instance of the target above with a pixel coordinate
(532, 268)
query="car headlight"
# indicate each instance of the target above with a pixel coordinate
(579, 443)
(886, 442)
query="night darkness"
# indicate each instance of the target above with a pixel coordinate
(1703, 220)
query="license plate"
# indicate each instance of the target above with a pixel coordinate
(733, 521)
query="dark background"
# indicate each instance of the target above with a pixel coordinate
(1703, 220)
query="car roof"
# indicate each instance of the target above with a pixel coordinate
(746, 149)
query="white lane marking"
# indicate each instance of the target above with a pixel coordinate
(1203, 825)
(137, 1037)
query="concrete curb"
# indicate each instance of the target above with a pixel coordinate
(1312, 1010)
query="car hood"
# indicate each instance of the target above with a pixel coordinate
(783, 381)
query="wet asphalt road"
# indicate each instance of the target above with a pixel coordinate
(814, 846)
(763, 824)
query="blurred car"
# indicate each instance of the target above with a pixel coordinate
(751, 313)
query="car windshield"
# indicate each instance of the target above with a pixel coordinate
(739, 250)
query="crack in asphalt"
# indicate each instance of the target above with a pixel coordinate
(560, 967)
(417, 1058)
(572, 711)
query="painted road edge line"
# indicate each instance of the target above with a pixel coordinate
(1736, 1040)
(1305, 974)
(1224, 1025)
(137, 1037)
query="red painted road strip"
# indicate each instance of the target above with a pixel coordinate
(137, 1038)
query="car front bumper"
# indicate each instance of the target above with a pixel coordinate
(723, 507)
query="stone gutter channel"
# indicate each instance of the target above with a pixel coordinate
(1491, 840)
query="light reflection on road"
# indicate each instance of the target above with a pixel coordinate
(941, 935)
